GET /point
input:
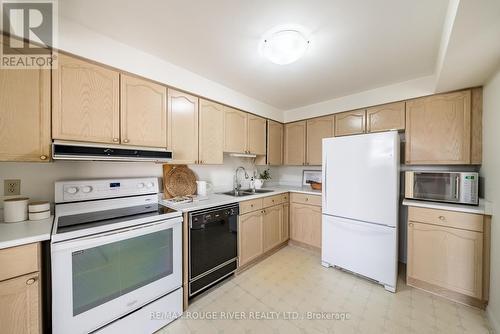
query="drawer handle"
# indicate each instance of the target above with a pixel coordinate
(272, 200)
(30, 281)
(251, 205)
(307, 199)
(442, 218)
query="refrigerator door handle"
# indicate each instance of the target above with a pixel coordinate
(325, 168)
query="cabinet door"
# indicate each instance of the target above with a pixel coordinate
(256, 135)
(387, 117)
(183, 127)
(317, 129)
(85, 99)
(273, 222)
(350, 123)
(447, 257)
(235, 131)
(438, 129)
(295, 143)
(285, 228)
(250, 232)
(25, 115)
(143, 112)
(274, 143)
(305, 224)
(211, 133)
(20, 299)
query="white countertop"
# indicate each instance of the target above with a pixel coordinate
(484, 207)
(216, 199)
(27, 232)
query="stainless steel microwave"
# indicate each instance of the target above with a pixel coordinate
(450, 187)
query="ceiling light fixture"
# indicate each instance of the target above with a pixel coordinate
(284, 46)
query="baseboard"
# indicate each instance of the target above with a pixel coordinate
(495, 326)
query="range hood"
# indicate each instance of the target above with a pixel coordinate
(243, 155)
(62, 150)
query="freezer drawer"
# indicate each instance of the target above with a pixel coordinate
(366, 249)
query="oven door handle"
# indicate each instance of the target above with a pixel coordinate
(118, 235)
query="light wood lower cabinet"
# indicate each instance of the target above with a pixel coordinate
(20, 295)
(273, 221)
(85, 101)
(25, 115)
(295, 143)
(447, 260)
(317, 129)
(350, 122)
(274, 143)
(305, 222)
(183, 127)
(211, 133)
(250, 241)
(143, 112)
(285, 231)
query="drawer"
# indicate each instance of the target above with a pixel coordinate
(285, 198)
(251, 205)
(461, 220)
(20, 260)
(271, 200)
(306, 199)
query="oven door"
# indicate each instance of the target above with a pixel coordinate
(443, 187)
(98, 279)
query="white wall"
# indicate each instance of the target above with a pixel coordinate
(86, 43)
(491, 173)
(395, 92)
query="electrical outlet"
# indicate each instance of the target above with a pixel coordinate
(11, 187)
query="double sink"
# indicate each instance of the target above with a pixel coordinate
(248, 192)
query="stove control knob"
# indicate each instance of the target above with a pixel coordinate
(72, 190)
(140, 185)
(86, 189)
(149, 184)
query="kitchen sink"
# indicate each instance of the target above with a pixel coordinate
(247, 192)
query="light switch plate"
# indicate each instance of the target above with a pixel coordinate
(11, 187)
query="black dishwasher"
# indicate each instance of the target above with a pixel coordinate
(213, 246)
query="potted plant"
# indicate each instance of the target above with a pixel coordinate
(263, 176)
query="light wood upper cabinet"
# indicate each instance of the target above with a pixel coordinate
(25, 115)
(350, 123)
(272, 226)
(274, 143)
(438, 129)
(143, 112)
(250, 240)
(476, 154)
(85, 101)
(183, 127)
(256, 135)
(211, 133)
(386, 117)
(305, 224)
(446, 257)
(235, 131)
(295, 143)
(20, 305)
(317, 129)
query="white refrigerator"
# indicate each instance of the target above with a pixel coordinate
(360, 205)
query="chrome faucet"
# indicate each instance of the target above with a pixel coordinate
(236, 183)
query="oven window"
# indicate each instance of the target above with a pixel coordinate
(436, 186)
(103, 273)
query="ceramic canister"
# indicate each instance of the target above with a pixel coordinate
(15, 210)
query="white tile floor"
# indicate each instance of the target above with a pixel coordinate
(292, 280)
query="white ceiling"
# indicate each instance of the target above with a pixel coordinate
(355, 45)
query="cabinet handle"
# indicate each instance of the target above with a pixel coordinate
(43, 157)
(442, 218)
(201, 162)
(307, 199)
(411, 224)
(125, 140)
(251, 205)
(115, 140)
(30, 281)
